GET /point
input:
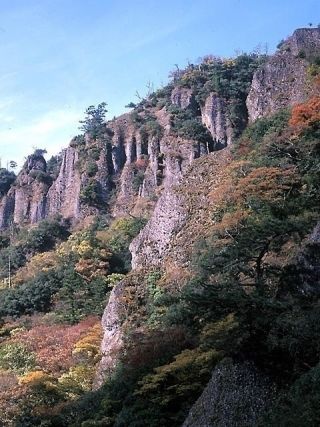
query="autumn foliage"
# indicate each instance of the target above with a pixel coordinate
(53, 344)
(306, 114)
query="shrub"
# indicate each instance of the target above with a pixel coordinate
(118, 238)
(91, 169)
(16, 357)
(41, 176)
(187, 126)
(53, 166)
(91, 193)
(33, 296)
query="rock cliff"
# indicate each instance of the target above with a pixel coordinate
(140, 155)
(237, 395)
(191, 176)
(284, 80)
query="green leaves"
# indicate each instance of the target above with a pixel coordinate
(94, 120)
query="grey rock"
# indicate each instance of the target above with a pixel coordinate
(216, 118)
(183, 97)
(283, 80)
(64, 194)
(303, 40)
(112, 342)
(236, 396)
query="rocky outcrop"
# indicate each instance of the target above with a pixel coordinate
(135, 163)
(26, 200)
(216, 118)
(183, 98)
(6, 210)
(181, 211)
(64, 194)
(113, 335)
(153, 241)
(283, 80)
(237, 395)
(150, 162)
(304, 42)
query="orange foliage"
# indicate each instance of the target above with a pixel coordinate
(306, 114)
(266, 183)
(90, 268)
(35, 378)
(231, 222)
(53, 344)
(141, 163)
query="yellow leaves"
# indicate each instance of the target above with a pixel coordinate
(83, 248)
(230, 62)
(88, 347)
(41, 262)
(219, 329)
(37, 378)
(78, 243)
(77, 380)
(186, 362)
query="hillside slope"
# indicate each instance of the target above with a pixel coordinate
(193, 223)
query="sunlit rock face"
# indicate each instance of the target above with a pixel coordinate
(283, 80)
(216, 118)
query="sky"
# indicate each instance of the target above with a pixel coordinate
(60, 56)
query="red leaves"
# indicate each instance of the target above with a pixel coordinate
(306, 114)
(53, 344)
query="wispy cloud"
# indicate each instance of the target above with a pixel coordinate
(51, 131)
(154, 37)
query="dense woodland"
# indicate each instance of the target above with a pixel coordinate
(252, 294)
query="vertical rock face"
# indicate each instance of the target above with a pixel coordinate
(305, 41)
(169, 215)
(236, 395)
(6, 210)
(26, 201)
(182, 206)
(183, 98)
(136, 165)
(113, 335)
(64, 195)
(145, 164)
(216, 118)
(283, 80)
(153, 241)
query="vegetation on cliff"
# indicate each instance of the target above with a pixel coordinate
(246, 292)
(253, 296)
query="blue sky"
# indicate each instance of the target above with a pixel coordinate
(60, 56)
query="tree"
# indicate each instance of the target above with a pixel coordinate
(13, 164)
(93, 122)
(131, 105)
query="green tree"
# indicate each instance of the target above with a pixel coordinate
(94, 119)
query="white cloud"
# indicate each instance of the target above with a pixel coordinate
(51, 131)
